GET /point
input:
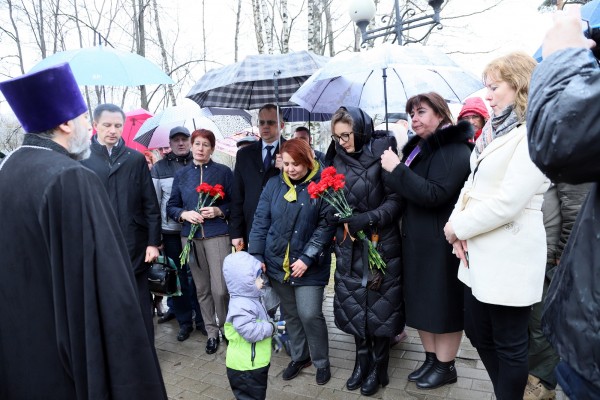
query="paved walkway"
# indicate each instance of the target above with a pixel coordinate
(190, 373)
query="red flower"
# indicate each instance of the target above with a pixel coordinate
(204, 188)
(327, 172)
(336, 198)
(313, 190)
(219, 190)
(339, 182)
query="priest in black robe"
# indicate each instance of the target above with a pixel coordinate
(64, 267)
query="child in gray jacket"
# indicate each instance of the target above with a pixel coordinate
(247, 328)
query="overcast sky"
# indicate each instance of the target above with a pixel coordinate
(472, 41)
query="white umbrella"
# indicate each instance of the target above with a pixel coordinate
(384, 78)
(155, 130)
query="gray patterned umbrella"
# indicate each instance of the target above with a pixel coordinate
(257, 80)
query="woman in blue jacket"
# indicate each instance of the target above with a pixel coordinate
(290, 235)
(211, 242)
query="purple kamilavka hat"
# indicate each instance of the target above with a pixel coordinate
(45, 99)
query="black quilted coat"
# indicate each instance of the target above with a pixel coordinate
(358, 310)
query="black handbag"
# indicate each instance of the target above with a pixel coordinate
(163, 279)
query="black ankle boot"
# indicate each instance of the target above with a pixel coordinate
(375, 378)
(417, 374)
(442, 373)
(378, 375)
(356, 379)
(361, 365)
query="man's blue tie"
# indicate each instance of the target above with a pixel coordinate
(268, 158)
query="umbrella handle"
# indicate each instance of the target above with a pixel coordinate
(276, 84)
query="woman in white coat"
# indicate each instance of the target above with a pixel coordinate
(497, 231)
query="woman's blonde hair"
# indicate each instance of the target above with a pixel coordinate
(515, 69)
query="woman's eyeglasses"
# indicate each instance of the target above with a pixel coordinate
(343, 137)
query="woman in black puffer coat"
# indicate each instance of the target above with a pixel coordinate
(368, 306)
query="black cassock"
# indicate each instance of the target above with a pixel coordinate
(71, 324)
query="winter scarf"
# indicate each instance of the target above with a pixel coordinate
(291, 193)
(497, 126)
(291, 196)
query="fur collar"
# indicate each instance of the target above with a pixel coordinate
(462, 132)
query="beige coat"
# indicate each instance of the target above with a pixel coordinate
(498, 213)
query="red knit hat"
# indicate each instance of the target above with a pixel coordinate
(474, 106)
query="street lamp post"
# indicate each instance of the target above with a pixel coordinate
(362, 11)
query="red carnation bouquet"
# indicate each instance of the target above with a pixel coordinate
(330, 188)
(207, 195)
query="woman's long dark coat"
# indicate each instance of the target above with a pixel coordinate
(429, 190)
(358, 310)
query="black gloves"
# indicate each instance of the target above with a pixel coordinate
(332, 217)
(358, 222)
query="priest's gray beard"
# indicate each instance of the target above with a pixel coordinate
(79, 144)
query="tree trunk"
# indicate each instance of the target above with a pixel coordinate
(237, 31)
(260, 44)
(311, 26)
(140, 42)
(80, 36)
(268, 25)
(57, 34)
(40, 26)
(163, 51)
(36, 23)
(328, 27)
(285, 34)
(318, 27)
(16, 36)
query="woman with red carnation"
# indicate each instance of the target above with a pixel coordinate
(368, 304)
(291, 237)
(429, 178)
(211, 242)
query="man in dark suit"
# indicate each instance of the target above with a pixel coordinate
(254, 165)
(126, 177)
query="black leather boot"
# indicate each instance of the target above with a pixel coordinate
(361, 364)
(378, 374)
(442, 373)
(430, 359)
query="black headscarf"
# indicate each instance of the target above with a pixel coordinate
(362, 127)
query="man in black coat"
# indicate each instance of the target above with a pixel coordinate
(254, 165)
(71, 323)
(126, 177)
(564, 142)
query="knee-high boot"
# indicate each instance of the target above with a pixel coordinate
(378, 374)
(361, 364)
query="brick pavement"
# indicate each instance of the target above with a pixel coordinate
(190, 373)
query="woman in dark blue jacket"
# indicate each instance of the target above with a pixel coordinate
(211, 242)
(290, 235)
